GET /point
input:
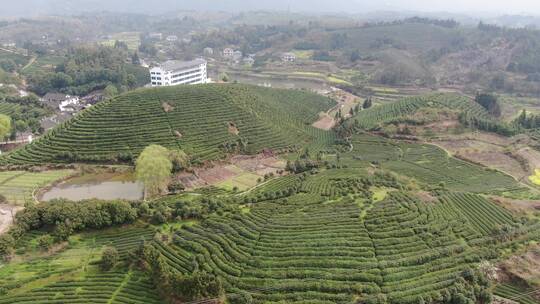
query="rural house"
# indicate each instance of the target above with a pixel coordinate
(288, 57)
(58, 101)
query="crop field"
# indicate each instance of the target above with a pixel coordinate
(132, 40)
(207, 122)
(71, 276)
(375, 116)
(522, 296)
(8, 108)
(339, 235)
(426, 163)
(19, 186)
(20, 60)
(45, 63)
(308, 249)
(373, 220)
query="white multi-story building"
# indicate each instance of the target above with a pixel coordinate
(175, 72)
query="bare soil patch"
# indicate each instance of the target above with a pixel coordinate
(425, 196)
(518, 206)
(233, 129)
(325, 122)
(486, 154)
(531, 155)
(525, 266)
(7, 212)
(237, 166)
(167, 107)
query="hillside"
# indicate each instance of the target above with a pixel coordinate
(377, 116)
(207, 122)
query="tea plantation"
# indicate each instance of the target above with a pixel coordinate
(207, 122)
(362, 219)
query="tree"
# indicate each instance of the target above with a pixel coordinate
(135, 58)
(8, 65)
(5, 126)
(109, 258)
(224, 77)
(489, 102)
(110, 91)
(176, 187)
(45, 242)
(153, 169)
(355, 55)
(367, 103)
(179, 159)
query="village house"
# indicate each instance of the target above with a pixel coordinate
(288, 57)
(228, 52)
(58, 101)
(237, 56)
(208, 51)
(156, 36)
(174, 72)
(249, 61)
(172, 38)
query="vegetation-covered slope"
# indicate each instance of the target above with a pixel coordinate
(205, 121)
(376, 116)
(369, 242)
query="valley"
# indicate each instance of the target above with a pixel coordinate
(269, 157)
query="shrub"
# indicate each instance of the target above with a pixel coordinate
(45, 242)
(109, 258)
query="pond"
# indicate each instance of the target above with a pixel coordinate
(100, 186)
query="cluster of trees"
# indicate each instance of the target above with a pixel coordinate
(302, 165)
(176, 286)
(5, 126)
(64, 218)
(172, 208)
(489, 102)
(448, 23)
(528, 121)
(154, 167)
(90, 68)
(28, 115)
(486, 125)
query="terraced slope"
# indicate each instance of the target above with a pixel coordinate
(426, 163)
(206, 121)
(373, 117)
(308, 249)
(8, 109)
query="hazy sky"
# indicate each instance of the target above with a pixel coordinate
(468, 6)
(472, 7)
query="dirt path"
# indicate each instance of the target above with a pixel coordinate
(345, 102)
(32, 60)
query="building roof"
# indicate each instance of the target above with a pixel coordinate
(55, 97)
(174, 65)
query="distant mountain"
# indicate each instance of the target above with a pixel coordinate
(62, 7)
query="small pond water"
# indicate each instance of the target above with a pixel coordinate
(103, 186)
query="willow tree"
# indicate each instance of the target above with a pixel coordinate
(153, 169)
(5, 126)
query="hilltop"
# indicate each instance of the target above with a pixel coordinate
(207, 122)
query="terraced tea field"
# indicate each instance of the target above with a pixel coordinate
(70, 276)
(426, 163)
(8, 108)
(310, 250)
(375, 116)
(19, 186)
(381, 221)
(207, 122)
